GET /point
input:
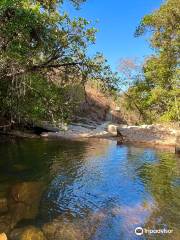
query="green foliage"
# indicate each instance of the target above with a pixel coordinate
(42, 59)
(157, 94)
(102, 76)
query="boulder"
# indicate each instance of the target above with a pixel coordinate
(112, 128)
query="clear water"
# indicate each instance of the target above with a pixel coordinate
(102, 189)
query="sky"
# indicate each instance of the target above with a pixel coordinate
(117, 22)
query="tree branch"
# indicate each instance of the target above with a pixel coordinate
(35, 68)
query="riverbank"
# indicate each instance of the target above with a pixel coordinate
(144, 134)
(152, 135)
(79, 130)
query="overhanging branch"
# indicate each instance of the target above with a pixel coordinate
(35, 68)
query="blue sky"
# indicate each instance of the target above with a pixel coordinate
(117, 21)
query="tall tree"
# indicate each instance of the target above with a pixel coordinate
(162, 69)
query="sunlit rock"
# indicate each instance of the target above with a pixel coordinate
(3, 236)
(112, 128)
(149, 134)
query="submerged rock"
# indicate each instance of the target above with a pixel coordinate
(62, 231)
(26, 192)
(79, 229)
(6, 223)
(27, 233)
(24, 200)
(3, 205)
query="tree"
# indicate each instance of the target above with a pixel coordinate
(153, 89)
(162, 70)
(132, 87)
(38, 42)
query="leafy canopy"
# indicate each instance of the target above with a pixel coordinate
(43, 58)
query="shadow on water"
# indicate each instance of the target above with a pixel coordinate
(94, 190)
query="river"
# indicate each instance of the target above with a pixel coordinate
(95, 189)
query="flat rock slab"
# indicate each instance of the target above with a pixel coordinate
(152, 134)
(77, 131)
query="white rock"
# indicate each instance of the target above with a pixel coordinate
(3, 236)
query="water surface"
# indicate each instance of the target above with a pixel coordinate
(97, 188)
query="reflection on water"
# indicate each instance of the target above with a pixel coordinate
(94, 189)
